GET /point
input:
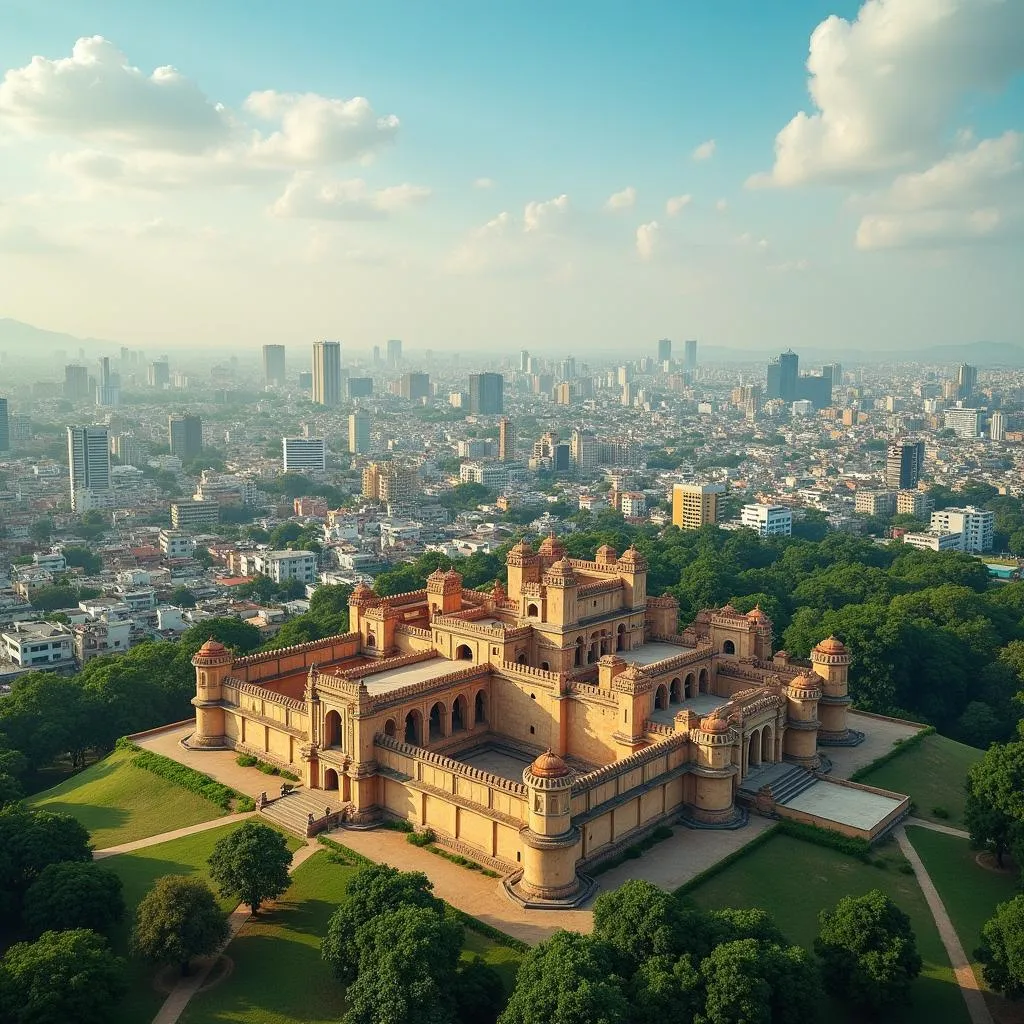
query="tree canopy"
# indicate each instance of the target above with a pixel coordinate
(251, 863)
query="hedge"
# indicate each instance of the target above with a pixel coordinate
(719, 866)
(350, 856)
(900, 747)
(851, 845)
(188, 778)
(252, 761)
(474, 924)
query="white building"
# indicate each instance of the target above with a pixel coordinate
(963, 422)
(493, 475)
(53, 561)
(304, 454)
(803, 407)
(768, 520)
(633, 504)
(935, 540)
(285, 566)
(174, 544)
(976, 524)
(40, 645)
(997, 428)
(89, 466)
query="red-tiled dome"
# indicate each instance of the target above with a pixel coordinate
(549, 766)
(212, 648)
(714, 724)
(756, 615)
(832, 645)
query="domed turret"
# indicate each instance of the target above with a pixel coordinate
(831, 645)
(213, 652)
(606, 555)
(757, 616)
(551, 548)
(714, 725)
(549, 766)
(632, 559)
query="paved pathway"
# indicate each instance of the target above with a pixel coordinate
(174, 1005)
(141, 844)
(965, 978)
(880, 735)
(936, 827)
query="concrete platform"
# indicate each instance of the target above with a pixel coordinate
(652, 653)
(854, 807)
(396, 678)
(503, 763)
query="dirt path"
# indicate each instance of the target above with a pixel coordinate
(969, 988)
(163, 837)
(936, 827)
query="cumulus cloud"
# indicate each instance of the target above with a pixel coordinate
(647, 239)
(676, 204)
(543, 216)
(885, 86)
(623, 200)
(705, 151)
(310, 198)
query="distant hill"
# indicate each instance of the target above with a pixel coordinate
(15, 334)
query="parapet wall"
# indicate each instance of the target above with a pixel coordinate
(289, 660)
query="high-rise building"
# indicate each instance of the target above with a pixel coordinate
(414, 387)
(524, 361)
(359, 433)
(976, 524)
(834, 371)
(5, 427)
(76, 382)
(789, 375)
(997, 428)
(695, 505)
(903, 464)
(89, 466)
(273, 365)
(394, 351)
(158, 375)
(108, 388)
(185, 436)
(304, 454)
(506, 440)
(690, 354)
(966, 381)
(327, 372)
(665, 350)
(583, 449)
(359, 387)
(305, 380)
(963, 422)
(486, 394)
(768, 520)
(563, 393)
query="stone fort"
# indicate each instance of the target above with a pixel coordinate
(538, 728)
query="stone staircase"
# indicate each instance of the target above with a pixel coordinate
(786, 781)
(292, 811)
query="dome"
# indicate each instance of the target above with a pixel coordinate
(361, 593)
(713, 724)
(805, 681)
(549, 766)
(522, 548)
(606, 553)
(551, 546)
(727, 610)
(831, 645)
(212, 649)
(756, 615)
(437, 574)
(451, 574)
(632, 557)
(563, 565)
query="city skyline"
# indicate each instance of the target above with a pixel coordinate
(311, 193)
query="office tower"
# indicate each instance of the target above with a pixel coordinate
(567, 368)
(185, 436)
(524, 361)
(394, 351)
(690, 354)
(327, 372)
(561, 457)
(376, 355)
(963, 422)
(304, 454)
(583, 450)
(414, 387)
(966, 381)
(506, 440)
(750, 400)
(359, 387)
(76, 382)
(129, 450)
(903, 464)
(789, 374)
(665, 350)
(305, 380)
(486, 394)
(997, 428)
(5, 427)
(159, 375)
(89, 466)
(563, 393)
(273, 365)
(773, 382)
(695, 505)
(834, 371)
(624, 375)
(359, 433)
(108, 389)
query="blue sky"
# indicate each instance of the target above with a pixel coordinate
(892, 216)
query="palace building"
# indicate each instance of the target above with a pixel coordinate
(537, 729)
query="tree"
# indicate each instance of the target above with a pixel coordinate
(41, 531)
(374, 890)
(251, 863)
(182, 597)
(62, 976)
(569, 979)
(994, 812)
(1002, 949)
(665, 989)
(83, 558)
(868, 951)
(479, 992)
(73, 894)
(178, 919)
(240, 636)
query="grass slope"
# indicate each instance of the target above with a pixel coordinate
(278, 976)
(932, 773)
(970, 893)
(119, 803)
(794, 881)
(138, 871)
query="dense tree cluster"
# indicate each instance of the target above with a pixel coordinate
(994, 811)
(1002, 949)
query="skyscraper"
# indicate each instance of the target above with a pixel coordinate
(695, 505)
(76, 383)
(159, 374)
(583, 450)
(506, 440)
(304, 454)
(327, 372)
(486, 394)
(966, 381)
(394, 351)
(185, 436)
(524, 361)
(665, 350)
(108, 388)
(903, 463)
(415, 386)
(690, 354)
(89, 465)
(997, 428)
(273, 365)
(359, 433)
(5, 427)
(789, 373)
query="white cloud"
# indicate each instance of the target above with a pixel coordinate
(722, 205)
(748, 241)
(885, 86)
(307, 197)
(929, 228)
(676, 204)
(623, 200)
(705, 151)
(541, 216)
(484, 183)
(647, 239)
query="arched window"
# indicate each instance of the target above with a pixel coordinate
(332, 729)
(728, 647)
(414, 728)
(661, 698)
(675, 694)
(546, 666)
(480, 708)
(371, 640)
(702, 681)
(459, 713)
(463, 653)
(330, 779)
(437, 717)
(689, 686)
(620, 638)
(521, 658)
(390, 728)
(532, 611)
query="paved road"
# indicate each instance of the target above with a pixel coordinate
(936, 827)
(141, 844)
(969, 987)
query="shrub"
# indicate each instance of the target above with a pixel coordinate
(424, 838)
(854, 847)
(940, 812)
(246, 760)
(268, 769)
(397, 825)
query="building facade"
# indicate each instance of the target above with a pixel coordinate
(977, 525)
(695, 505)
(185, 436)
(274, 365)
(327, 372)
(486, 394)
(768, 520)
(89, 466)
(903, 464)
(303, 454)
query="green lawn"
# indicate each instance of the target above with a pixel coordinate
(970, 893)
(119, 803)
(933, 773)
(138, 871)
(794, 880)
(278, 976)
